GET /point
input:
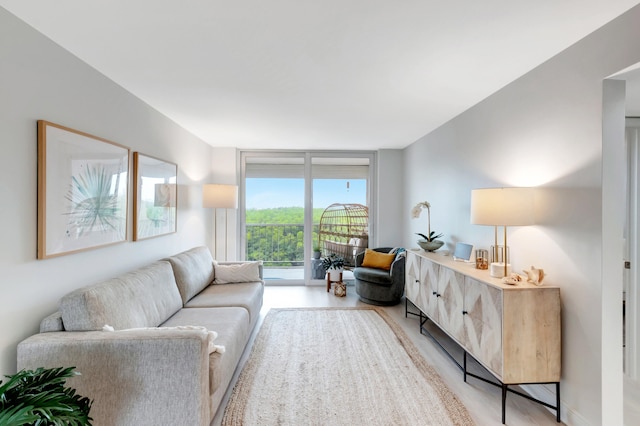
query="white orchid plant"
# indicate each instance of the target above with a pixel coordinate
(415, 213)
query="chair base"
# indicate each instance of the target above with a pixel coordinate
(379, 303)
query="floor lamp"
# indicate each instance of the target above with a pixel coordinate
(217, 196)
(501, 207)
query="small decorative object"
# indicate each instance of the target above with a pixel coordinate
(482, 259)
(512, 279)
(39, 397)
(429, 242)
(83, 183)
(154, 197)
(340, 289)
(462, 252)
(534, 275)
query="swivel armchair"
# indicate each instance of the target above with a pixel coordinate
(380, 286)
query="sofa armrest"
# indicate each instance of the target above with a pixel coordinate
(141, 377)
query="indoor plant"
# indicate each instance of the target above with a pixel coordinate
(38, 397)
(333, 264)
(430, 241)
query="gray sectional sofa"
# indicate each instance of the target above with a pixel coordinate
(158, 366)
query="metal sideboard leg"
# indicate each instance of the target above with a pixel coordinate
(504, 402)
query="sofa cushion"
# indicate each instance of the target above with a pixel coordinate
(193, 270)
(142, 298)
(373, 275)
(232, 326)
(245, 295)
(51, 323)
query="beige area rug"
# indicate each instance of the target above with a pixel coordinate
(338, 366)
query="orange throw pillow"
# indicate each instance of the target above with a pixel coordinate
(374, 259)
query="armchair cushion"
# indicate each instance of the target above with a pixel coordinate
(373, 275)
(375, 259)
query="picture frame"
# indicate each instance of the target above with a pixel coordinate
(154, 197)
(83, 191)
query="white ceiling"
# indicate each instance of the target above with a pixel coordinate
(303, 74)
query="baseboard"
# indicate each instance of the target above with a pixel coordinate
(546, 393)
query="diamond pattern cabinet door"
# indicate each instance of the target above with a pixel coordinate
(412, 280)
(483, 324)
(451, 302)
(429, 276)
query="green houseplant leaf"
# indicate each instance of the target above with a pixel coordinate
(333, 261)
(39, 397)
(432, 236)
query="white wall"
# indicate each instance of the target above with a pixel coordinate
(39, 80)
(543, 130)
(390, 214)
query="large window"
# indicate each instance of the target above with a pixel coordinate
(284, 195)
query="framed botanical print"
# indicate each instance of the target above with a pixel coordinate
(83, 183)
(154, 197)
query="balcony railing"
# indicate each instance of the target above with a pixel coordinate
(277, 244)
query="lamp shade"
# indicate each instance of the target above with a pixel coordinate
(220, 196)
(502, 206)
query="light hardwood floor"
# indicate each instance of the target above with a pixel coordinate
(482, 400)
(631, 402)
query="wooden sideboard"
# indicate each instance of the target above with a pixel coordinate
(514, 331)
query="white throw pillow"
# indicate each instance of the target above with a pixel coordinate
(246, 272)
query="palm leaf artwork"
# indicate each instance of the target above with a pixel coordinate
(38, 397)
(94, 200)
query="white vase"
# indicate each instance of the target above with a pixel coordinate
(334, 274)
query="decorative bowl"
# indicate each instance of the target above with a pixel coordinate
(430, 245)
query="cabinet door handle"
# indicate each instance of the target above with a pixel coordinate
(417, 281)
(464, 312)
(435, 293)
(438, 295)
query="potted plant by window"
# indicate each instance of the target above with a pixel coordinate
(316, 251)
(333, 264)
(39, 397)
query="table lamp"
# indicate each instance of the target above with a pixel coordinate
(501, 207)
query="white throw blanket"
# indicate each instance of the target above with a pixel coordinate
(212, 335)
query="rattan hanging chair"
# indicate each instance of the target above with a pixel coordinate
(344, 230)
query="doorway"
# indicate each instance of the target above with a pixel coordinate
(621, 173)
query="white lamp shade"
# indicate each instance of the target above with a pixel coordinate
(502, 206)
(220, 196)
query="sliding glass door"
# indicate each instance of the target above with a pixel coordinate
(283, 197)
